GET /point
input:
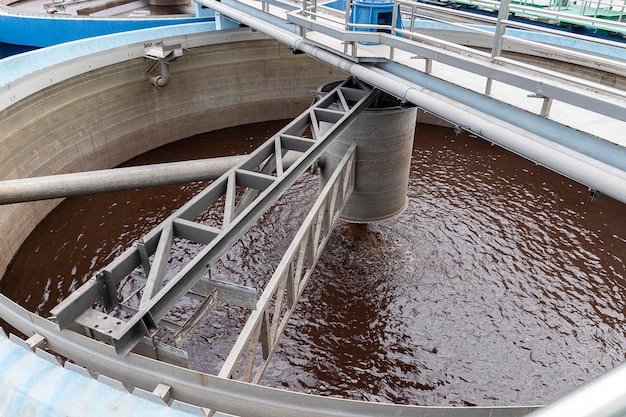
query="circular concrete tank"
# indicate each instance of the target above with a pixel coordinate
(96, 114)
(384, 135)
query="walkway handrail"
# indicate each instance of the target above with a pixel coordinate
(616, 26)
(444, 15)
(266, 324)
(571, 90)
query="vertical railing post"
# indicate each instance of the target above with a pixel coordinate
(348, 11)
(503, 14)
(304, 14)
(394, 18)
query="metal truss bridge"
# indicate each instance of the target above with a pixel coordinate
(471, 70)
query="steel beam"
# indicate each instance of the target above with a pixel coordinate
(290, 277)
(237, 218)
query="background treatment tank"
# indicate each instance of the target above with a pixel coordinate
(384, 135)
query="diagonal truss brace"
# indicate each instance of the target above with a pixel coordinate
(261, 172)
(281, 294)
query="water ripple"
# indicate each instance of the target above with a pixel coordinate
(501, 284)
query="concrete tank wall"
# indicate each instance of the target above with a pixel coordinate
(384, 135)
(103, 117)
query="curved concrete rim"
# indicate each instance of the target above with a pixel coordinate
(192, 386)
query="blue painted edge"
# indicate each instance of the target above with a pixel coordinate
(17, 66)
(34, 386)
(42, 31)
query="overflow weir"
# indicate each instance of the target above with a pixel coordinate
(82, 123)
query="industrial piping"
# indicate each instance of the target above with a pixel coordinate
(117, 179)
(579, 167)
(163, 79)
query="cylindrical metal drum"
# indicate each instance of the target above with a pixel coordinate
(384, 135)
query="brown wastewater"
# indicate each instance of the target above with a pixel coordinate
(501, 284)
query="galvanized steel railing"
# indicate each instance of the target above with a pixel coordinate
(547, 84)
(280, 296)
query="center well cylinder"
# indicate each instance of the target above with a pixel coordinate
(384, 135)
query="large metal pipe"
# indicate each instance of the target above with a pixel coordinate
(117, 179)
(579, 167)
(602, 397)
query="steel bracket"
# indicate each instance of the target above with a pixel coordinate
(108, 295)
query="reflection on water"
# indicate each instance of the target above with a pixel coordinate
(502, 283)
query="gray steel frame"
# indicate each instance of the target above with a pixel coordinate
(245, 399)
(339, 108)
(281, 294)
(214, 392)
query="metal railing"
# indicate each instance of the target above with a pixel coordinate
(544, 83)
(280, 296)
(591, 13)
(603, 8)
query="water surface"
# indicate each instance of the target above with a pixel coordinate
(501, 284)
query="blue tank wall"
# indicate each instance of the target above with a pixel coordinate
(8, 49)
(35, 31)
